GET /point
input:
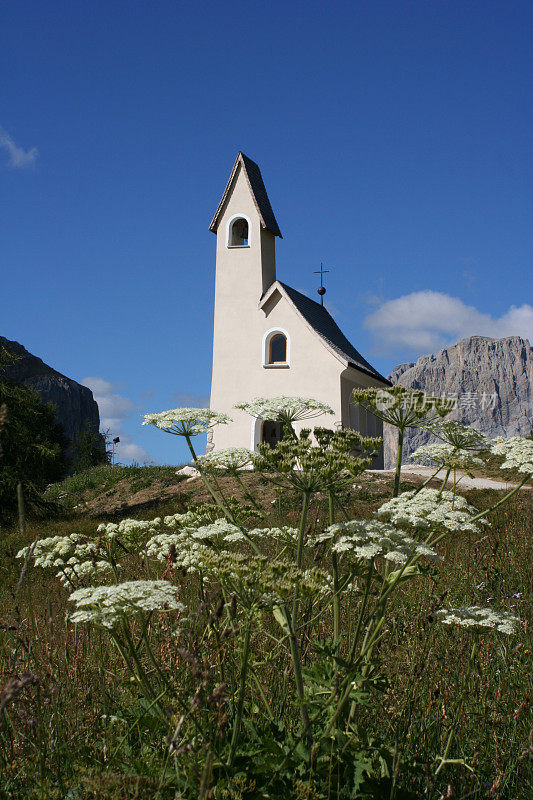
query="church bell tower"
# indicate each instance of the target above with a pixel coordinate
(246, 230)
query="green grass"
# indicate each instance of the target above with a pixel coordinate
(96, 481)
(58, 737)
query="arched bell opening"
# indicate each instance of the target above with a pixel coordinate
(239, 232)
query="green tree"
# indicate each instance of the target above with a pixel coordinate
(33, 446)
(89, 450)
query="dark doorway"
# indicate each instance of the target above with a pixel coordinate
(271, 433)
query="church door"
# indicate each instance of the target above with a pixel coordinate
(271, 433)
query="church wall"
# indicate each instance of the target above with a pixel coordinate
(313, 372)
(243, 274)
(356, 417)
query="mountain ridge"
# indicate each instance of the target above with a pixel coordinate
(76, 409)
(492, 380)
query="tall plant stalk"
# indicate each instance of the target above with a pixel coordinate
(240, 697)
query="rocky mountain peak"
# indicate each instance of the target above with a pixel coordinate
(77, 409)
(492, 380)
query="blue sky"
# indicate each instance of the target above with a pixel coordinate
(394, 141)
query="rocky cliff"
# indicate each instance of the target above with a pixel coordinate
(492, 380)
(76, 407)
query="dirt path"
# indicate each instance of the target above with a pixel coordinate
(464, 482)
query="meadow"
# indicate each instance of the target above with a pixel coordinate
(289, 659)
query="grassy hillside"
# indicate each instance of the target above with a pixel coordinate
(76, 726)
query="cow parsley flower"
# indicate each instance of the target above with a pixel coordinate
(105, 606)
(430, 508)
(289, 409)
(129, 531)
(161, 545)
(479, 619)
(74, 556)
(186, 421)
(367, 539)
(220, 528)
(518, 453)
(463, 437)
(284, 534)
(233, 459)
(446, 455)
(194, 517)
(403, 407)
(74, 571)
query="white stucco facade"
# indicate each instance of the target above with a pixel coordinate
(250, 307)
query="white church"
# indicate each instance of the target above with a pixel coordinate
(270, 339)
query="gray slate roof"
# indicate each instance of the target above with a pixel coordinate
(255, 181)
(326, 327)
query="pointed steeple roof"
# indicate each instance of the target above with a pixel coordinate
(254, 179)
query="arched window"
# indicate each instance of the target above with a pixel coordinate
(238, 234)
(278, 349)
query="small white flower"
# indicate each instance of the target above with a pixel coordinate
(367, 539)
(105, 606)
(446, 455)
(460, 436)
(479, 619)
(233, 459)
(283, 407)
(430, 508)
(186, 421)
(518, 453)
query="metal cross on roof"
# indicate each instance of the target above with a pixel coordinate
(322, 290)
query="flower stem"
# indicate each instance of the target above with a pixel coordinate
(398, 463)
(335, 569)
(300, 549)
(297, 665)
(207, 485)
(503, 500)
(240, 699)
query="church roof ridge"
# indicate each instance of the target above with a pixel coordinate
(259, 194)
(325, 326)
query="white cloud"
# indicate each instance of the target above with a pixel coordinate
(427, 321)
(114, 408)
(18, 157)
(127, 450)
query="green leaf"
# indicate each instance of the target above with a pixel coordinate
(280, 617)
(408, 572)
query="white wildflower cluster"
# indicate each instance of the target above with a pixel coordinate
(368, 539)
(183, 541)
(191, 518)
(463, 437)
(74, 556)
(74, 571)
(283, 407)
(430, 508)
(186, 553)
(258, 582)
(284, 534)
(479, 619)
(232, 459)
(105, 606)
(129, 531)
(161, 545)
(518, 453)
(446, 455)
(219, 529)
(186, 421)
